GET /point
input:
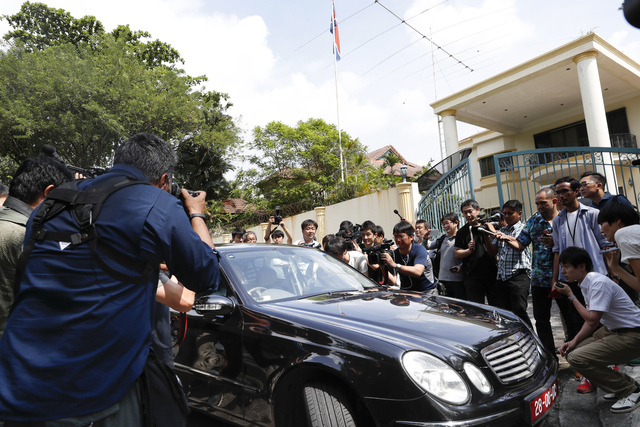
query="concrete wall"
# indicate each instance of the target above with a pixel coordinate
(377, 207)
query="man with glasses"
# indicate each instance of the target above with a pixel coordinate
(514, 266)
(592, 185)
(576, 225)
(411, 261)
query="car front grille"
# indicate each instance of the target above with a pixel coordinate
(514, 358)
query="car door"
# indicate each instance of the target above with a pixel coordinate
(209, 359)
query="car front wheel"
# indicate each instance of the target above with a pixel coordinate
(327, 406)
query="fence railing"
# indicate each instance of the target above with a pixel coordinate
(520, 174)
(446, 194)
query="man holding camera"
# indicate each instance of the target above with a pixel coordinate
(78, 338)
(514, 266)
(277, 235)
(411, 261)
(478, 266)
(340, 248)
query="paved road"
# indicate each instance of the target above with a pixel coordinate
(570, 410)
(583, 410)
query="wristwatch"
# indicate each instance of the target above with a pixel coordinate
(572, 297)
(197, 215)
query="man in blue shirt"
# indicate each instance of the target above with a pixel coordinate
(77, 339)
(592, 185)
(411, 261)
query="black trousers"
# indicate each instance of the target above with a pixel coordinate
(542, 314)
(455, 289)
(478, 288)
(513, 294)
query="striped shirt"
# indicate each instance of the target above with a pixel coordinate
(511, 260)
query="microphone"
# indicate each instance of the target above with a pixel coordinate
(395, 211)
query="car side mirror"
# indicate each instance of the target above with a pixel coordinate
(214, 304)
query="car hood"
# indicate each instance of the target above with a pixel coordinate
(408, 320)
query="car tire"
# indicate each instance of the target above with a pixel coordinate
(327, 406)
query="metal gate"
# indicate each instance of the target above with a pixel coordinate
(447, 194)
(520, 174)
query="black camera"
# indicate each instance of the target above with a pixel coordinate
(374, 253)
(277, 218)
(353, 234)
(90, 172)
(175, 191)
(493, 219)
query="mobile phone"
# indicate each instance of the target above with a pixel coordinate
(611, 249)
(560, 285)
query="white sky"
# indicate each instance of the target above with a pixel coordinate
(274, 57)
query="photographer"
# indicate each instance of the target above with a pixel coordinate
(279, 234)
(85, 358)
(373, 248)
(411, 261)
(514, 266)
(478, 266)
(352, 233)
(339, 248)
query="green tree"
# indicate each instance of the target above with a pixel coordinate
(38, 26)
(67, 83)
(301, 163)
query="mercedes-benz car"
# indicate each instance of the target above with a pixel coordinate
(295, 337)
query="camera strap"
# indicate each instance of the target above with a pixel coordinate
(85, 206)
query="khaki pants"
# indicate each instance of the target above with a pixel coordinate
(593, 356)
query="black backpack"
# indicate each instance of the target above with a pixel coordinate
(85, 206)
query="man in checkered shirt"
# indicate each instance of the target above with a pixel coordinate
(514, 267)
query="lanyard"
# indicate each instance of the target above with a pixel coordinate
(575, 226)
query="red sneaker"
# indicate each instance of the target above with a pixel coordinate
(585, 386)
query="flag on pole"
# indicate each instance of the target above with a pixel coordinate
(336, 37)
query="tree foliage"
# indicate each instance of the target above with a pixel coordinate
(38, 26)
(67, 83)
(292, 164)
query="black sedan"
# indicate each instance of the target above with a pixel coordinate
(294, 337)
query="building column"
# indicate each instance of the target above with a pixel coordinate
(406, 202)
(320, 219)
(450, 129)
(594, 111)
(263, 227)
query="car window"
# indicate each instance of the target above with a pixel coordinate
(275, 273)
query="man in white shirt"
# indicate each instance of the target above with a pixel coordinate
(616, 342)
(338, 248)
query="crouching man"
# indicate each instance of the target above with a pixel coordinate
(616, 342)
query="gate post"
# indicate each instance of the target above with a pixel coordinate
(320, 219)
(406, 202)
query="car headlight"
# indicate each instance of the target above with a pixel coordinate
(477, 378)
(436, 377)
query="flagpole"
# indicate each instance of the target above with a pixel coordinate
(335, 71)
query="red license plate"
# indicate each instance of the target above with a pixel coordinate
(544, 401)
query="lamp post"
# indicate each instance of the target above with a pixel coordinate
(403, 171)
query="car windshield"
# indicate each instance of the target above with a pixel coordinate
(275, 272)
